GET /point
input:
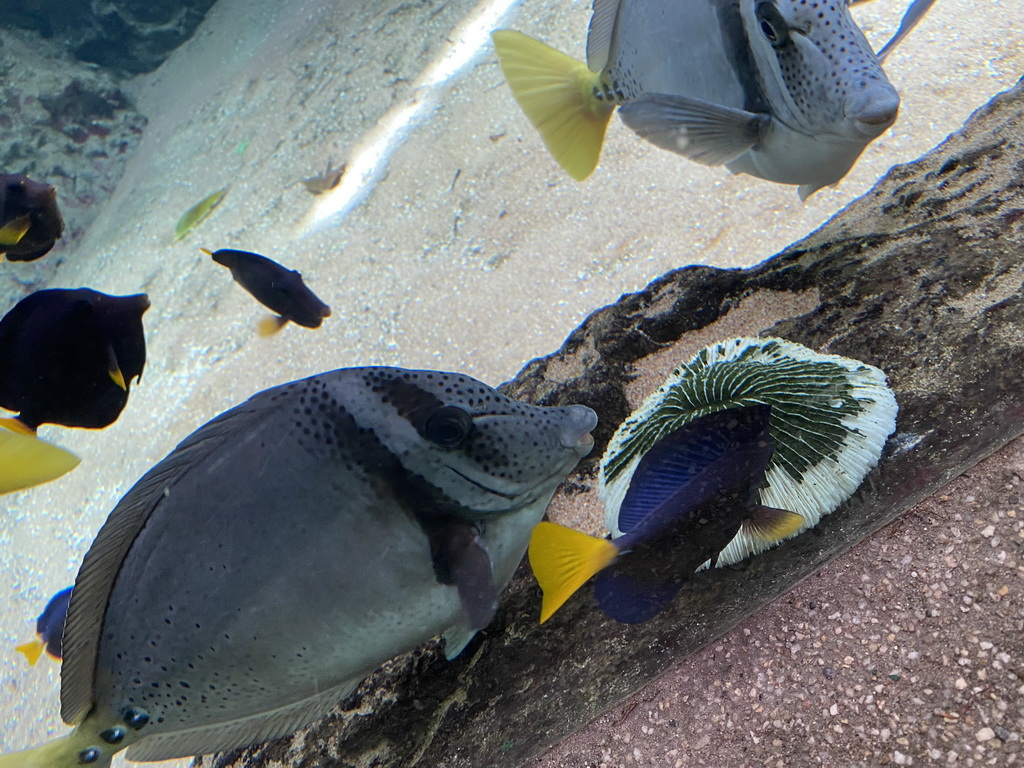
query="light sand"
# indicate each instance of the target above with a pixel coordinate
(478, 275)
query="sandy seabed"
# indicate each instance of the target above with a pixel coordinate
(469, 251)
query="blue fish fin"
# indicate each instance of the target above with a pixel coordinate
(707, 133)
(695, 461)
(456, 639)
(630, 600)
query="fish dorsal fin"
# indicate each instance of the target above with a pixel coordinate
(914, 14)
(600, 33)
(222, 737)
(102, 562)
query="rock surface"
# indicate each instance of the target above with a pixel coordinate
(127, 36)
(921, 277)
(64, 123)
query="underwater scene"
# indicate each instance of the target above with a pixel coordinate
(299, 348)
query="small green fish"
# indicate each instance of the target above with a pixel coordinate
(197, 213)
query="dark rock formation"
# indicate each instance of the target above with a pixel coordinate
(64, 123)
(922, 277)
(127, 36)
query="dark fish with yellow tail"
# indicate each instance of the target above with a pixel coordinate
(68, 357)
(30, 221)
(289, 547)
(278, 288)
(49, 630)
(784, 90)
(689, 495)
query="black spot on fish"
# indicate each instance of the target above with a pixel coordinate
(64, 355)
(274, 286)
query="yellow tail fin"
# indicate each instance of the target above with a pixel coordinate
(557, 93)
(563, 560)
(26, 461)
(31, 650)
(268, 326)
(771, 525)
(12, 232)
(13, 425)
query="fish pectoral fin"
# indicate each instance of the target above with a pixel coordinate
(243, 732)
(563, 560)
(461, 558)
(114, 370)
(557, 94)
(26, 461)
(15, 229)
(455, 641)
(31, 650)
(914, 14)
(707, 133)
(268, 326)
(769, 526)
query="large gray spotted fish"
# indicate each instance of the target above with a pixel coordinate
(785, 90)
(290, 546)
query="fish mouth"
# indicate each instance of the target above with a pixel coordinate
(873, 126)
(575, 432)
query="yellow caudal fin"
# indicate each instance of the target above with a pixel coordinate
(268, 326)
(563, 560)
(14, 425)
(26, 461)
(770, 525)
(31, 650)
(15, 229)
(557, 94)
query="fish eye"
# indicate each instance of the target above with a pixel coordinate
(448, 427)
(772, 24)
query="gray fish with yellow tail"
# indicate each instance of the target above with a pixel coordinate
(785, 90)
(290, 546)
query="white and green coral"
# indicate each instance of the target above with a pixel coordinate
(830, 419)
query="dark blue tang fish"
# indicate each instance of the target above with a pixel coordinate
(49, 630)
(689, 495)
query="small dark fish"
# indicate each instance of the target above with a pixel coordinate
(277, 288)
(328, 180)
(68, 356)
(49, 629)
(30, 221)
(688, 497)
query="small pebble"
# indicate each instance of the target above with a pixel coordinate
(985, 734)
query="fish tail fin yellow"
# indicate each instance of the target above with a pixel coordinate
(770, 525)
(31, 650)
(16, 425)
(268, 326)
(65, 752)
(26, 460)
(15, 229)
(563, 560)
(557, 93)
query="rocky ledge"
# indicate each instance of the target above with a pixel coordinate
(125, 36)
(922, 277)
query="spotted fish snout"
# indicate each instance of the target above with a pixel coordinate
(873, 110)
(576, 428)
